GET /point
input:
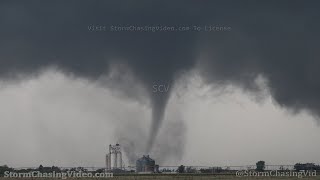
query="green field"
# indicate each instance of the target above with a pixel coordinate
(171, 177)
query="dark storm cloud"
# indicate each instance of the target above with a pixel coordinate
(277, 39)
(279, 42)
(41, 34)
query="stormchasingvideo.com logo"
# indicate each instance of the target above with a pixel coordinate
(59, 175)
(276, 173)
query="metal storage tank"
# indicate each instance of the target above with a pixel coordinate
(145, 164)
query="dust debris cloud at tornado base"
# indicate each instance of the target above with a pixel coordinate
(237, 43)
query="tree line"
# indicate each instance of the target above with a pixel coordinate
(260, 166)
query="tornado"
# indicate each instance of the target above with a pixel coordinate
(265, 39)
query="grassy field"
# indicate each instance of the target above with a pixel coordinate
(171, 177)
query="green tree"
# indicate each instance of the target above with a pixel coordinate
(181, 169)
(4, 169)
(40, 168)
(260, 166)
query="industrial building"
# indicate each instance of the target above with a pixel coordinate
(114, 158)
(145, 164)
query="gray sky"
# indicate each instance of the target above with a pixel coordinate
(55, 119)
(248, 92)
